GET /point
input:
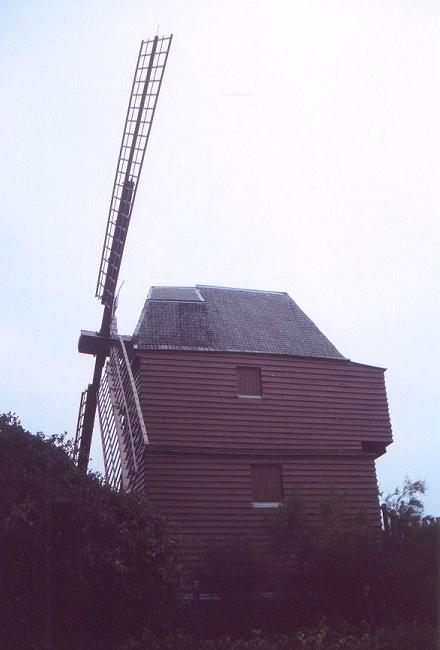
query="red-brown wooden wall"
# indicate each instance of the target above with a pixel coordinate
(312, 419)
(190, 398)
(207, 501)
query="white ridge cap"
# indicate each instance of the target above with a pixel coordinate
(212, 286)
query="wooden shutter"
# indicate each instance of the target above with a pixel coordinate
(267, 483)
(249, 381)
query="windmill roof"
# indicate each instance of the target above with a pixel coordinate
(224, 319)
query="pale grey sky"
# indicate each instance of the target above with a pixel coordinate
(296, 147)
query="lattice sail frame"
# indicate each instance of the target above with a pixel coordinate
(147, 81)
(123, 431)
(79, 425)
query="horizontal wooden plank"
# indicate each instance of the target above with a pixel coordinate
(192, 398)
(311, 406)
(206, 501)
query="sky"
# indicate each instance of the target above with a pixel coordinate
(295, 147)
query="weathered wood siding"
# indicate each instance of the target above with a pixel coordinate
(191, 398)
(207, 499)
(312, 418)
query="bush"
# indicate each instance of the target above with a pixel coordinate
(81, 565)
(232, 571)
(335, 567)
(327, 564)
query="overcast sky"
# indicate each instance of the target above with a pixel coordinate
(296, 147)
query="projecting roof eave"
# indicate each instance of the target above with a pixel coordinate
(183, 348)
(186, 348)
(368, 365)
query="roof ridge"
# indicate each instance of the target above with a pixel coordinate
(198, 296)
(213, 286)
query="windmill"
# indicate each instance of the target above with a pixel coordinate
(113, 389)
(247, 402)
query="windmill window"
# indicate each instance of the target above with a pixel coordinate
(267, 486)
(249, 382)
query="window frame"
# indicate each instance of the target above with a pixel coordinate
(256, 502)
(241, 395)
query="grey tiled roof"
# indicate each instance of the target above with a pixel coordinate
(224, 319)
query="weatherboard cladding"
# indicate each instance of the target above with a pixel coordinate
(222, 319)
(206, 500)
(191, 399)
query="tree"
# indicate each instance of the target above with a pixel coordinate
(326, 561)
(335, 566)
(410, 561)
(403, 507)
(81, 565)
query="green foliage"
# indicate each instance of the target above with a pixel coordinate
(234, 574)
(84, 567)
(410, 559)
(232, 571)
(337, 568)
(324, 563)
(323, 637)
(405, 501)
(333, 567)
(81, 566)
(404, 507)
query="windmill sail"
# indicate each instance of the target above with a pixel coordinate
(147, 81)
(122, 425)
(141, 108)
